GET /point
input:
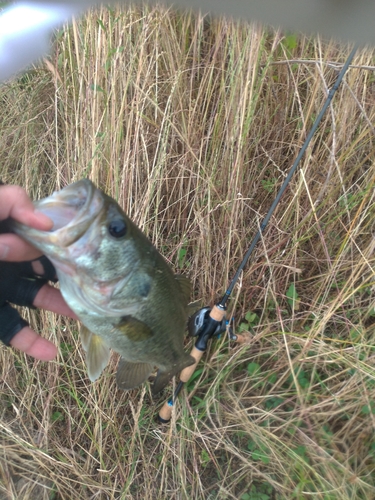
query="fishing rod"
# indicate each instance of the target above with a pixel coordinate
(207, 323)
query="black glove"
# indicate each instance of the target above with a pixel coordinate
(19, 284)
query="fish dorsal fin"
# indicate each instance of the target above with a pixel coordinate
(185, 286)
(195, 306)
(131, 375)
(97, 353)
(134, 329)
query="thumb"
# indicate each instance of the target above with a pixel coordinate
(29, 342)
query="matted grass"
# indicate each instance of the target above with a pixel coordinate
(192, 123)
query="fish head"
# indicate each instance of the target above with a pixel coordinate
(92, 245)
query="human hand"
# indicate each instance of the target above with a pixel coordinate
(25, 283)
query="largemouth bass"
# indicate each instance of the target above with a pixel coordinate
(120, 287)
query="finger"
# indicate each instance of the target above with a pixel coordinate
(15, 203)
(50, 298)
(31, 343)
(15, 249)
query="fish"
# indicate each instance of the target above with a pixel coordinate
(120, 287)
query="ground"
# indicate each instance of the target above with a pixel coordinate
(192, 124)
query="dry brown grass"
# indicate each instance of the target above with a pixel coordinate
(192, 123)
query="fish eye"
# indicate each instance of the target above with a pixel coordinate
(117, 228)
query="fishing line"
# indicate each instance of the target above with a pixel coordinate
(287, 179)
(207, 322)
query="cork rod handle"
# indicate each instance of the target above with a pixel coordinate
(166, 410)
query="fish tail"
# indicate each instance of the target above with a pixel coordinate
(163, 377)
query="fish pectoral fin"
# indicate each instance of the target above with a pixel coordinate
(163, 377)
(134, 329)
(130, 375)
(97, 356)
(185, 286)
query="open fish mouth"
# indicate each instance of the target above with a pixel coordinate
(72, 211)
(63, 206)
